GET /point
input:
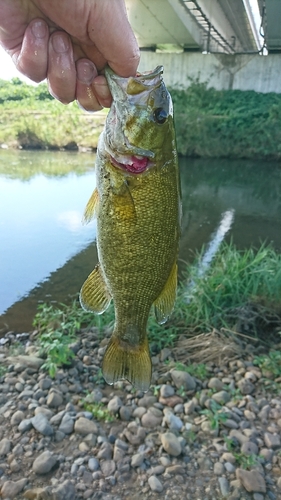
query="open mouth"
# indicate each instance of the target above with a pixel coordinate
(132, 164)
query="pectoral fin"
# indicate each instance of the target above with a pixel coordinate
(94, 295)
(164, 304)
(124, 203)
(91, 207)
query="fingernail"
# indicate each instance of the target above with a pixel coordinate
(86, 72)
(39, 29)
(60, 43)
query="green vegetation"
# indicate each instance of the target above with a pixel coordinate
(269, 363)
(209, 123)
(215, 415)
(195, 370)
(57, 330)
(227, 123)
(235, 280)
(98, 410)
(32, 119)
(239, 287)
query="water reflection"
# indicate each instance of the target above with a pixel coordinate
(46, 253)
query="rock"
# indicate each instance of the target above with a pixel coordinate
(173, 422)
(218, 468)
(41, 424)
(150, 421)
(125, 413)
(183, 379)
(221, 397)
(271, 440)
(44, 462)
(252, 480)
(85, 426)
(215, 383)
(105, 451)
(93, 464)
(67, 424)
(66, 491)
(25, 425)
(114, 404)
(224, 486)
(55, 399)
(45, 384)
(246, 386)
(5, 446)
(171, 444)
(11, 489)
(147, 401)
(137, 459)
(241, 438)
(108, 467)
(31, 361)
(189, 407)
(166, 391)
(155, 484)
(45, 411)
(249, 448)
(34, 494)
(17, 417)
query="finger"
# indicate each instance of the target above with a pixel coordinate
(86, 72)
(113, 36)
(61, 69)
(32, 58)
(92, 91)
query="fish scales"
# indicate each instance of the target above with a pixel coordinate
(137, 205)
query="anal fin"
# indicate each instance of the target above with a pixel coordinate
(94, 295)
(122, 361)
(164, 304)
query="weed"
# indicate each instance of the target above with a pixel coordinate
(195, 370)
(98, 410)
(246, 461)
(215, 415)
(3, 370)
(16, 348)
(269, 363)
(181, 391)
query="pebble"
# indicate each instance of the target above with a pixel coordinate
(5, 446)
(155, 484)
(11, 489)
(224, 486)
(67, 424)
(252, 480)
(42, 425)
(183, 379)
(85, 426)
(44, 462)
(171, 444)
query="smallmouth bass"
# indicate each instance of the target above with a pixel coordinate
(138, 209)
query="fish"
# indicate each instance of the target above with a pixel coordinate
(137, 204)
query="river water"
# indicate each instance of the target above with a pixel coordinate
(46, 253)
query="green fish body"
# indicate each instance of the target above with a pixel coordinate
(138, 209)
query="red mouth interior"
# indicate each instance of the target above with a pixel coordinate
(134, 166)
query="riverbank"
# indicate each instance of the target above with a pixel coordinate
(209, 123)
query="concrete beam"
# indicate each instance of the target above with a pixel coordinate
(221, 71)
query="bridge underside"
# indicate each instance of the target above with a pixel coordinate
(218, 26)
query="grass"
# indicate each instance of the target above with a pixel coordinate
(215, 415)
(233, 280)
(269, 363)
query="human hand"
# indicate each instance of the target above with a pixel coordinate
(69, 42)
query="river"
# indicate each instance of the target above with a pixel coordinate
(46, 253)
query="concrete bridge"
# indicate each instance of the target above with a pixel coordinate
(241, 39)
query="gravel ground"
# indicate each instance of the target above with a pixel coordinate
(184, 439)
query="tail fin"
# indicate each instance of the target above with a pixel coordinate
(122, 361)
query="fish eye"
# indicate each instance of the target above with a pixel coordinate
(160, 115)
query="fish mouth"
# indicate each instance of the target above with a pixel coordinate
(134, 164)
